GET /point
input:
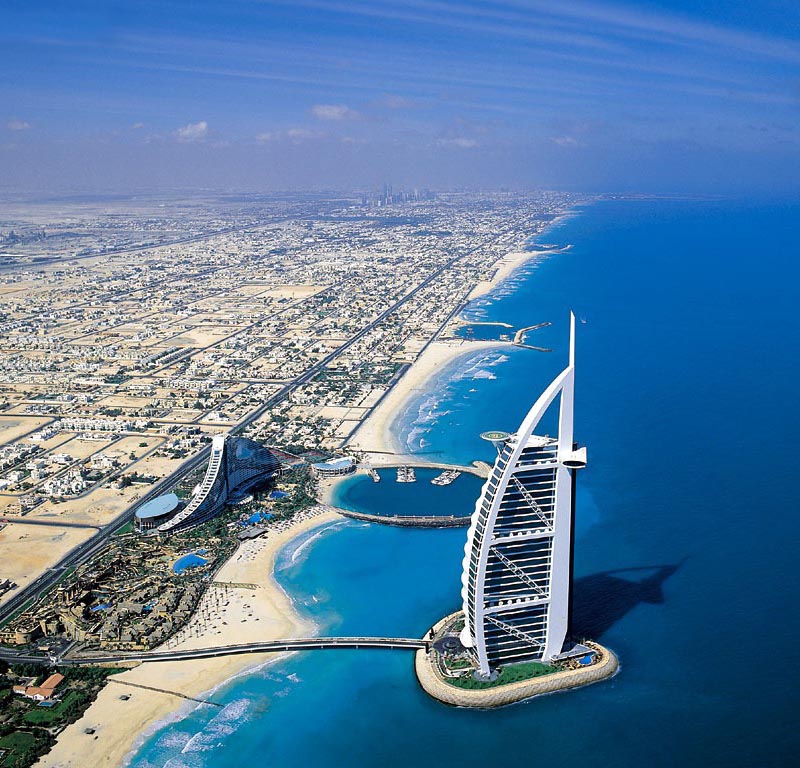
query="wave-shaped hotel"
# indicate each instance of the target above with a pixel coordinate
(513, 637)
(235, 465)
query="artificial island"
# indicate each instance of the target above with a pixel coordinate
(513, 638)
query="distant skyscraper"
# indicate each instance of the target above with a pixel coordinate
(235, 464)
(517, 578)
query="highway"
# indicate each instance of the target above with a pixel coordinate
(272, 646)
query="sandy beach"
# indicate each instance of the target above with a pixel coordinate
(226, 615)
(374, 436)
(505, 266)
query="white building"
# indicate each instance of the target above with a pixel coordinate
(517, 576)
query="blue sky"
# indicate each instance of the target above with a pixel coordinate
(657, 96)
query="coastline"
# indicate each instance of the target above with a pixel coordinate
(375, 436)
(505, 267)
(121, 725)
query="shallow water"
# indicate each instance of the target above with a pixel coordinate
(422, 499)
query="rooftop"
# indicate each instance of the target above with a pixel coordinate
(161, 505)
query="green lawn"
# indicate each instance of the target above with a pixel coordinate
(48, 716)
(23, 748)
(513, 673)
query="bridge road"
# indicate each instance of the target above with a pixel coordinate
(272, 646)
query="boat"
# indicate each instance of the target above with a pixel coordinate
(406, 475)
(446, 477)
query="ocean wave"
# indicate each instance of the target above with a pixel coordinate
(176, 762)
(173, 739)
(303, 546)
(222, 725)
(289, 553)
(414, 439)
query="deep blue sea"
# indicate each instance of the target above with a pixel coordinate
(687, 543)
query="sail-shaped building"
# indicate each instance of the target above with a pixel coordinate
(517, 569)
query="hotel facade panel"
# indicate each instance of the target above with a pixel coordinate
(517, 568)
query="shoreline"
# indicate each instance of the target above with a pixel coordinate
(121, 727)
(374, 435)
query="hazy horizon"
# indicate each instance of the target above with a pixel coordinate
(590, 96)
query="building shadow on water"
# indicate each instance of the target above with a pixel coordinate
(602, 599)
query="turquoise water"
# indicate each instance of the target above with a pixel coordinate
(259, 517)
(361, 494)
(190, 560)
(686, 542)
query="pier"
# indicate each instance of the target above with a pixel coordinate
(519, 337)
(406, 474)
(447, 477)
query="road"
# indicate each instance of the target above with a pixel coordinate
(272, 646)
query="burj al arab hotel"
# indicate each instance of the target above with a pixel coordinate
(517, 577)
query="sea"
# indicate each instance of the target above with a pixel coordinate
(688, 336)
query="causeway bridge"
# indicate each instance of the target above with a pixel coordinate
(270, 646)
(408, 521)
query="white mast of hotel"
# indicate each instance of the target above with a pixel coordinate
(518, 557)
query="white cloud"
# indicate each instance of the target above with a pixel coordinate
(333, 112)
(460, 141)
(15, 124)
(295, 135)
(137, 126)
(192, 132)
(302, 134)
(565, 141)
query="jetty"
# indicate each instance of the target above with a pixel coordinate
(519, 336)
(408, 521)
